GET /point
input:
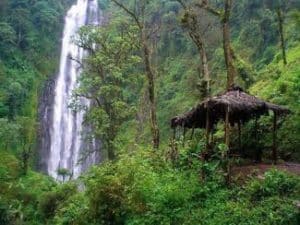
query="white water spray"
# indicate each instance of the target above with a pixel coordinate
(66, 144)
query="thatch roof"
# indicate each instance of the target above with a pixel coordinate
(241, 106)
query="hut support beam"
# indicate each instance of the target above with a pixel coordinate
(258, 151)
(174, 133)
(192, 134)
(184, 133)
(207, 132)
(275, 138)
(240, 136)
(207, 124)
(227, 127)
(227, 142)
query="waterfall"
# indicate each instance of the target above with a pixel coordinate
(61, 141)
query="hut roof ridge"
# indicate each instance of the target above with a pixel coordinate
(242, 105)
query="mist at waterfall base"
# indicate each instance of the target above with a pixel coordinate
(62, 143)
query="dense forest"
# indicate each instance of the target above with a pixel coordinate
(144, 64)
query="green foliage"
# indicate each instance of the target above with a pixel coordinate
(7, 35)
(9, 134)
(29, 37)
(50, 201)
(139, 189)
(108, 78)
(274, 184)
(4, 212)
(280, 85)
(143, 189)
(296, 16)
(73, 211)
(9, 169)
(64, 173)
(19, 194)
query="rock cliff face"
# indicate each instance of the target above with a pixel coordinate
(45, 113)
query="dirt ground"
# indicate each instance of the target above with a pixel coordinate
(261, 168)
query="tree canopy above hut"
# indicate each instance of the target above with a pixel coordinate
(241, 108)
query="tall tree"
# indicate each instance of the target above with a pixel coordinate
(224, 16)
(27, 135)
(196, 32)
(279, 7)
(107, 75)
(20, 21)
(281, 32)
(9, 134)
(146, 30)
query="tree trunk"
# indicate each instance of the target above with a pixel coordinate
(207, 133)
(228, 52)
(141, 23)
(25, 159)
(281, 32)
(274, 150)
(204, 68)
(258, 151)
(110, 151)
(199, 42)
(240, 137)
(227, 142)
(151, 90)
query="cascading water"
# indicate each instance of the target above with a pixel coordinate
(62, 143)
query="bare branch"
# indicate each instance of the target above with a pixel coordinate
(206, 29)
(129, 12)
(182, 3)
(76, 60)
(89, 97)
(154, 31)
(85, 46)
(204, 5)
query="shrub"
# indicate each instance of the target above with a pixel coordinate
(73, 211)
(4, 212)
(50, 201)
(274, 183)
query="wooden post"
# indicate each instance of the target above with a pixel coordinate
(184, 132)
(193, 131)
(258, 150)
(275, 138)
(203, 155)
(211, 136)
(227, 127)
(227, 142)
(173, 145)
(174, 133)
(240, 134)
(207, 124)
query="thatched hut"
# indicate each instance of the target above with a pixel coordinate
(241, 107)
(234, 107)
